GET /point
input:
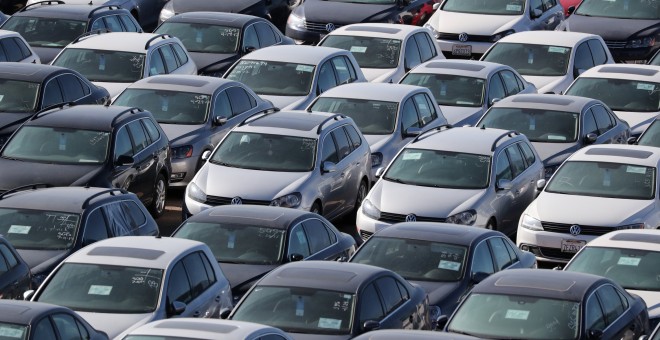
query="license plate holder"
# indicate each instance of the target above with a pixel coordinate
(572, 246)
(461, 50)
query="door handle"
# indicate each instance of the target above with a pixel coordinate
(218, 298)
(196, 314)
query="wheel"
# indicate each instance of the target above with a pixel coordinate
(491, 225)
(157, 207)
(316, 208)
(361, 194)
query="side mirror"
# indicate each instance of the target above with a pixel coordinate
(478, 277)
(595, 334)
(412, 132)
(441, 322)
(577, 72)
(504, 184)
(380, 172)
(370, 325)
(557, 268)
(536, 13)
(494, 100)
(224, 313)
(296, 257)
(436, 6)
(590, 138)
(124, 160)
(219, 120)
(570, 10)
(328, 167)
(540, 184)
(206, 155)
(177, 308)
(643, 337)
(631, 140)
(27, 295)
(248, 49)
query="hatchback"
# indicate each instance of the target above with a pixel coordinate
(13, 47)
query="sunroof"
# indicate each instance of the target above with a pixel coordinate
(324, 275)
(388, 30)
(637, 237)
(628, 70)
(197, 326)
(457, 66)
(639, 154)
(545, 99)
(177, 81)
(134, 253)
(535, 283)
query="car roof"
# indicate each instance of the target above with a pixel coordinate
(543, 283)
(300, 54)
(63, 11)
(325, 275)
(182, 83)
(214, 18)
(52, 198)
(290, 123)
(437, 232)
(467, 68)
(552, 102)
(378, 30)
(251, 215)
(7, 33)
(465, 139)
(624, 71)
(28, 71)
(644, 239)
(24, 312)
(136, 251)
(202, 328)
(617, 153)
(88, 117)
(398, 334)
(117, 41)
(555, 38)
(373, 91)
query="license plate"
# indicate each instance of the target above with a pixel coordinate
(461, 50)
(572, 246)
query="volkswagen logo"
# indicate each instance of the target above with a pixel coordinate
(575, 230)
(463, 37)
(411, 218)
(330, 27)
(236, 201)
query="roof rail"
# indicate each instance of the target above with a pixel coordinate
(49, 109)
(132, 110)
(108, 7)
(261, 114)
(90, 33)
(510, 133)
(40, 3)
(109, 191)
(159, 36)
(24, 188)
(333, 117)
(435, 129)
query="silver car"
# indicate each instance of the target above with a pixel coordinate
(318, 162)
(467, 175)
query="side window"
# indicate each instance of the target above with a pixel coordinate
(9, 256)
(240, 100)
(139, 136)
(589, 123)
(503, 168)
(356, 140)
(409, 116)
(11, 47)
(180, 53)
(266, 35)
(4, 267)
(597, 51)
(317, 235)
(500, 253)
(298, 241)
(197, 274)
(129, 24)
(96, 228)
(134, 212)
(517, 162)
(529, 154)
(82, 330)
(595, 319)
(250, 37)
(44, 330)
(124, 218)
(178, 287)
(342, 70)
(156, 64)
(412, 57)
(113, 24)
(351, 69)
(23, 47)
(52, 93)
(66, 326)
(390, 293)
(611, 303)
(98, 24)
(3, 55)
(170, 59)
(425, 50)
(403, 290)
(329, 150)
(151, 128)
(482, 261)
(547, 4)
(210, 272)
(72, 87)
(536, 4)
(370, 305)
(123, 146)
(510, 82)
(583, 59)
(603, 119)
(327, 78)
(221, 107)
(510, 248)
(495, 89)
(425, 111)
(343, 145)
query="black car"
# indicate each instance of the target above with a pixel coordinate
(39, 321)
(15, 276)
(313, 19)
(46, 225)
(48, 26)
(249, 241)
(549, 304)
(10, 6)
(215, 40)
(337, 300)
(94, 145)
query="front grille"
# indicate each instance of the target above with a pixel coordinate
(454, 36)
(318, 26)
(365, 234)
(564, 228)
(615, 43)
(555, 253)
(217, 200)
(396, 218)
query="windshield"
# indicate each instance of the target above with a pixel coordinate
(374, 2)
(372, 117)
(625, 9)
(603, 179)
(232, 243)
(274, 78)
(516, 317)
(18, 96)
(104, 288)
(531, 59)
(651, 136)
(619, 94)
(414, 259)
(449, 89)
(545, 126)
(495, 7)
(203, 38)
(10, 331)
(298, 310)
(259, 151)
(368, 52)
(441, 169)
(38, 229)
(168, 107)
(631, 268)
(46, 32)
(155, 337)
(57, 145)
(103, 66)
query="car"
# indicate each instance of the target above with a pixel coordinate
(249, 241)
(464, 175)
(629, 258)
(396, 334)
(119, 147)
(15, 49)
(3, 17)
(215, 40)
(202, 329)
(378, 48)
(549, 304)
(550, 60)
(388, 115)
(444, 259)
(292, 76)
(121, 283)
(650, 136)
(557, 126)
(636, 22)
(47, 224)
(333, 300)
(28, 88)
(313, 161)
(36, 321)
(599, 189)
(466, 29)
(195, 112)
(465, 89)
(117, 59)
(629, 90)
(15, 276)
(48, 26)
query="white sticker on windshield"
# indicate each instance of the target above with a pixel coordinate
(2, 96)
(99, 290)
(198, 36)
(532, 123)
(300, 307)
(231, 240)
(647, 87)
(513, 8)
(329, 323)
(305, 68)
(19, 229)
(555, 49)
(460, 102)
(450, 265)
(552, 137)
(358, 49)
(517, 314)
(411, 156)
(102, 62)
(10, 332)
(629, 261)
(636, 169)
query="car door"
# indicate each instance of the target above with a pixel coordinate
(370, 307)
(613, 305)
(95, 227)
(522, 189)
(504, 200)
(144, 161)
(52, 93)
(398, 314)
(265, 34)
(205, 301)
(496, 90)
(298, 243)
(73, 88)
(606, 123)
(583, 59)
(347, 180)
(553, 14)
(250, 39)
(511, 83)
(321, 240)
(326, 78)
(123, 174)
(412, 56)
(15, 277)
(503, 256)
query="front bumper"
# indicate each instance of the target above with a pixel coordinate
(632, 54)
(547, 245)
(302, 34)
(367, 226)
(183, 171)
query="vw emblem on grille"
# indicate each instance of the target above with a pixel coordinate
(463, 37)
(575, 230)
(330, 27)
(236, 201)
(411, 218)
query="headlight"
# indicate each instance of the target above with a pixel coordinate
(435, 33)
(295, 21)
(376, 159)
(465, 218)
(500, 35)
(641, 42)
(531, 223)
(195, 193)
(632, 226)
(549, 170)
(287, 201)
(181, 152)
(434, 313)
(167, 11)
(370, 210)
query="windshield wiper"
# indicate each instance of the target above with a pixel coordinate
(397, 180)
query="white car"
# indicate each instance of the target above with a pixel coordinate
(118, 59)
(14, 48)
(202, 329)
(467, 28)
(630, 258)
(599, 189)
(550, 60)
(385, 52)
(632, 91)
(465, 89)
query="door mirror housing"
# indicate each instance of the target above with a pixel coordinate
(577, 72)
(570, 10)
(478, 277)
(248, 49)
(494, 100)
(328, 167)
(540, 184)
(441, 322)
(631, 140)
(124, 160)
(595, 334)
(206, 155)
(177, 308)
(436, 6)
(295, 257)
(590, 138)
(219, 120)
(370, 325)
(380, 172)
(412, 132)
(504, 184)
(27, 295)
(224, 313)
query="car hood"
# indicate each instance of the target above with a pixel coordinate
(24, 173)
(286, 102)
(638, 121)
(12, 120)
(379, 75)
(238, 274)
(115, 324)
(452, 22)
(342, 13)
(547, 84)
(234, 6)
(47, 54)
(40, 260)
(376, 141)
(179, 134)
(113, 88)
(608, 28)
(460, 115)
(652, 299)
(554, 153)
(208, 60)
(438, 291)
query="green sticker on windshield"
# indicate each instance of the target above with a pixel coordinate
(358, 49)
(646, 87)
(629, 261)
(99, 290)
(10, 332)
(2, 96)
(19, 229)
(635, 169)
(304, 68)
(408, 156)
(517, 314)
(329, 323)
(513, 8)
(450, 265)
(556, 49)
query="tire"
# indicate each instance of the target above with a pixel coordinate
(316, 208)
(157, 206)
(491, 225)
(361, 195)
